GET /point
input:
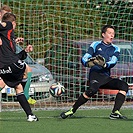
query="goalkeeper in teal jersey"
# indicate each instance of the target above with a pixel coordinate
(101, 57)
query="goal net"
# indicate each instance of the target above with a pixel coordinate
(60, 32)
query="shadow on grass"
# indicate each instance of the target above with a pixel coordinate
(12, 119)
(93, 117)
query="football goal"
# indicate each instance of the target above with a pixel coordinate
(61, 32)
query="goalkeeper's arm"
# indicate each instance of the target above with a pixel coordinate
(90, 63)
(101, 61)
(87, 60)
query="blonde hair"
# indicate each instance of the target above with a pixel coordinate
(6, 8)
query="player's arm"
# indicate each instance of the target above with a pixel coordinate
(108, 63)
(22, 55)
(87, 59)
(2, 25)
(5, 25)
(112, 62)
(102, 62)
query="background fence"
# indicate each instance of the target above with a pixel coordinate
(60, 32)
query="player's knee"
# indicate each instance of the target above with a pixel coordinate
(124, 87)
(94, 86)
(2, 84)
(90, 92)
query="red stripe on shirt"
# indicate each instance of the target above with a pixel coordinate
(9, 38)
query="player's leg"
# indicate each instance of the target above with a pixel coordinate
(120, 97)
(2, 84)
(26, 84)
(93, 88)
(81, 100)
(14, 79)
(24, 103)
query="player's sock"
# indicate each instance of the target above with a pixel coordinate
(24, 103)
(81, 100)
(1, 88)
(119, 100)
(27, 85)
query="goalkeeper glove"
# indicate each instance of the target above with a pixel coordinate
(90, 62)
(100, 61)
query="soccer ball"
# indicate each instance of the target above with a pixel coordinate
(57, 89)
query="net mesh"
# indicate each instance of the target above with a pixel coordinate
(60, 31)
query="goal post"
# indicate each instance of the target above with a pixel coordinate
(60, 32)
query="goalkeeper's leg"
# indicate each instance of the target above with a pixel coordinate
(120, 97)
(81, 100)
(116, 84)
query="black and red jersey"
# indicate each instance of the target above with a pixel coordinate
(8, 48)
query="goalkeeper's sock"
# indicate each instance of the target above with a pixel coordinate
(27, 85)
(119, 100)
(81, 100)
(24, 103)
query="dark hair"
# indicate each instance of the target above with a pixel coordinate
(105, 27)
(9, 17)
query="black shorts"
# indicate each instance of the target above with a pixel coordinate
(102, 79)
(105, 82)
(12, 74)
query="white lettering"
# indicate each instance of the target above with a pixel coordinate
(5, 71)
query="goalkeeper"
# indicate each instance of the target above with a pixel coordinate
(101, 57)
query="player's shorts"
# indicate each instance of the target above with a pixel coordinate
(102, 81)
(12, 74)
(100, 78)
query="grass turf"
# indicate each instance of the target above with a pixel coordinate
(90, 121)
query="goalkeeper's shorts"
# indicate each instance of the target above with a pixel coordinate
(99, 80)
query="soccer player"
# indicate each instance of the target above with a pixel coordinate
(27, 76)
(101, 57)
(11, 67)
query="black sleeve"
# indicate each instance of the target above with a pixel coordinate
(22, 55)
(7, 27)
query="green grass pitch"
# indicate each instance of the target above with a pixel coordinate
(84, 121)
